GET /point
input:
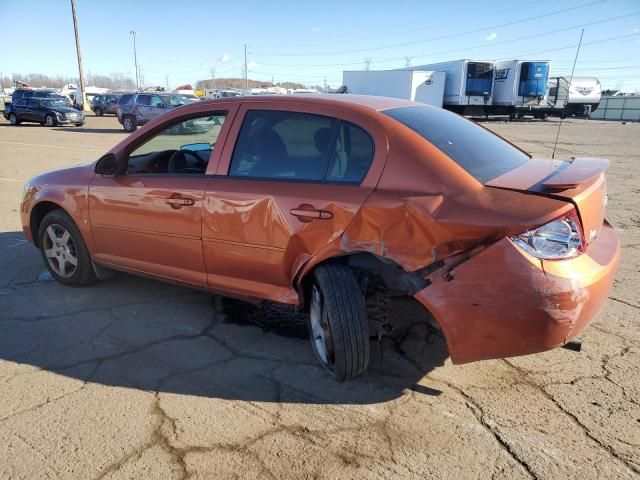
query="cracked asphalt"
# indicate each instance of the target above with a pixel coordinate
(132, 378)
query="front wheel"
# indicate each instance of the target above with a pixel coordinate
(98, 112)
(13, 119)
(64, 250)
(49, 121)
(338, 324)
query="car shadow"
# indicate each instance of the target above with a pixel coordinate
(138, 333)
(89, 130)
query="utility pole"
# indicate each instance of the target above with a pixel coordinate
(367, 63)
(326, 86)
(246, 72)
(407, 61)
(213, 78)
(135, 59)
(166, 80)
(85, 106)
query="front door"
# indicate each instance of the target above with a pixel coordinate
(288, 184)
(149, 220)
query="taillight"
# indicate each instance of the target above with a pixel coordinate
(559, 239)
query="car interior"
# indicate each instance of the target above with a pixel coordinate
(278, 145)
(185, 160)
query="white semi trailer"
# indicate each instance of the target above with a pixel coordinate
(468, 84)
(520, 88)
(418, 86)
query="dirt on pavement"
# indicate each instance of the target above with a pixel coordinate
(132, 378)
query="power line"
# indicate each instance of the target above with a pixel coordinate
(444, 37)
(493, 44)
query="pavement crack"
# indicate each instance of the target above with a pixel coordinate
(624, 302)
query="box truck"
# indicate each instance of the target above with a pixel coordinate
(415, 85)
(520, 88)
(468, 84)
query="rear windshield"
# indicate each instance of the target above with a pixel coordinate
(482, 154)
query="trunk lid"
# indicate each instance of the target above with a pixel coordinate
(580, 181)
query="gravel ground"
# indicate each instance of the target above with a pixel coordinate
(132, 378)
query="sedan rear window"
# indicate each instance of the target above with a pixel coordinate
(482, 154)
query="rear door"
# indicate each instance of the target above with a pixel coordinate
(290, 180)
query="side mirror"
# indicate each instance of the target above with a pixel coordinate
(107, 165)
(160, 105)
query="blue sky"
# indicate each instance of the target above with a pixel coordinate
(308, 41)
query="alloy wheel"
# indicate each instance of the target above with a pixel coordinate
(13, 119)
(60, 250)
(320, 329)
(49, 122)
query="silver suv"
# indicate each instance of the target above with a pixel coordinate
(136, 109)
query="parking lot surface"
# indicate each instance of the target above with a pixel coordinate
(132, 378)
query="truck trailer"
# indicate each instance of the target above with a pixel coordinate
(415, 85)
(520, 88)
(468, 84)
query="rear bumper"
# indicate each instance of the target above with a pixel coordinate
(503, 302)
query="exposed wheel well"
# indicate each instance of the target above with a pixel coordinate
(369, 267)
(37, 214)
(381, 280)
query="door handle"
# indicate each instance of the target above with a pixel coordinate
(306, 213)
(179, 202)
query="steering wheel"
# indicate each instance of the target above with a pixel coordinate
(179, 157)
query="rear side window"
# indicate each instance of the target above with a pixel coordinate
(301, 146)
(124, 99)
(482, 154)
(352, 154)
(143, 100)
(282, 145)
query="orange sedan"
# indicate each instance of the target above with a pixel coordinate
(318, 202)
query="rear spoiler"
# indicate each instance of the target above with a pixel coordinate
(576, 172)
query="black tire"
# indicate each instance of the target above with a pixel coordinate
(50, 121)
(83, 273)
(341, 308)
(129, 123)
(13, 119)
(98, 112)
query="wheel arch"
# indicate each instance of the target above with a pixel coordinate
(38, 212)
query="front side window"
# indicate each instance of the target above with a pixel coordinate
(301, 146)
(181, 148)
(156, 101)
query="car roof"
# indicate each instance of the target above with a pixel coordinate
(334, 100)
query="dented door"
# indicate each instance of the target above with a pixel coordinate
(257, 232)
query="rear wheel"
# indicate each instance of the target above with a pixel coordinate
(129, 124)
(13, 119)
(64, 251)
(49, 121)
(338, 322)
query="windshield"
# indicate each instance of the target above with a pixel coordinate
(481, 153)
(58, 102)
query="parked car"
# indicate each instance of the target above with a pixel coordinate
(20, 93)
(106, 103)
(45, 111)
(324, 202)
(140, 108)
